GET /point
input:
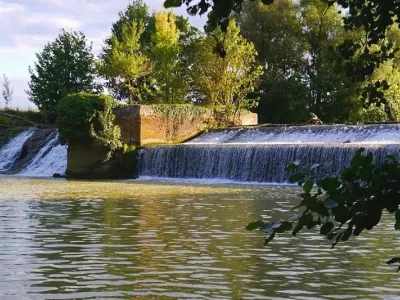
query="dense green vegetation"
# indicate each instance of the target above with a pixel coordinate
(150, 59)
(88, 118)
(14, 121)
(65, 66)
(360, 57)
(296, 41)
(281, 58)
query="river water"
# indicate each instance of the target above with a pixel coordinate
(149, 240)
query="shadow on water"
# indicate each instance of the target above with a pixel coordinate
(138, 240)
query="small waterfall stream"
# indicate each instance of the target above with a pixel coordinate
(261, 155)
(34, 152)
(49, 160)
(10, 152)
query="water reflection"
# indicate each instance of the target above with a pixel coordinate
(119, 240)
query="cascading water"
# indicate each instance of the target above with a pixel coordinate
(9, 153)
(261, 155)
(49, 160)
(35, 152)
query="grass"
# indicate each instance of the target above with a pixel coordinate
(17, 117)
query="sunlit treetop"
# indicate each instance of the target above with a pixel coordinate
(362, 58)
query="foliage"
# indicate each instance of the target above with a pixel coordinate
(345, 205)
(370, 114)
(389, 71)
(125, 64)
(7, 91)
(166, 57)
(295, 46)
(144, 86)
(360, 58)
(229, 79)
(64, 66)
(180, 112)
(331, 94)
(276, 32)
(89, 118)
(137, 12)
(19, 117)
(4, 120)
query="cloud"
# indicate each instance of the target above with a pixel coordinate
(6, 8)
(50, 21)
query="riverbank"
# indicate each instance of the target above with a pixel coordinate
(15, 121)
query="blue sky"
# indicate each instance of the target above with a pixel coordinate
(27, 25)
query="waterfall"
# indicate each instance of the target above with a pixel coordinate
(35, 152)
(10, 152)
(261, 155)
(49, 160)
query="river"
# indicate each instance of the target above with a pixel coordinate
(64, 239)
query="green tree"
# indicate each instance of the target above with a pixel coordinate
(65, 66)
(331, 93)
(138, 12)
(361, 58)
(7, 91)
(166, 56)
(276, 32)
(388, 71)
(295, 41)
(228, 80)
(125, 64)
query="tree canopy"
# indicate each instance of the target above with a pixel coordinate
(65, 66)
(226, 81)
(360, 58)
(125, 64)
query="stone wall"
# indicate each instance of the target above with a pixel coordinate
(146, 124)
(87, 160)
(128, 119)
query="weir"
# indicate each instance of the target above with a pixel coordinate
(247, 154)
(262, 154)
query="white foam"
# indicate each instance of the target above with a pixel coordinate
(9, 153)
(335, 134)
(52, 158)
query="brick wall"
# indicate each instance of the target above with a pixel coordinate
(143, 125)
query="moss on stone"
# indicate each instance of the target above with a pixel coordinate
(89, 161)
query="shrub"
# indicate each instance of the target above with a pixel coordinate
(88, 118)
(4, 120)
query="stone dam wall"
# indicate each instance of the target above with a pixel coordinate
(147, 124)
